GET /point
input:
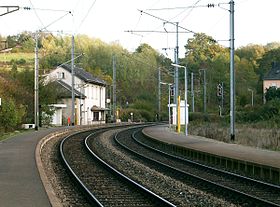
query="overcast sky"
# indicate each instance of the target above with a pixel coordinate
(256, 21)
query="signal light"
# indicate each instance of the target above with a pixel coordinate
(210, 5)
(26, 8)
(219, 90)
(172, 90)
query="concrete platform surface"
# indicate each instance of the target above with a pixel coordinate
(235, 151)
(20, 183)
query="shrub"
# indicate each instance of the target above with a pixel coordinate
(21, 61)
(262, 113)
(138, 115)
(201, 117)
(10, 115)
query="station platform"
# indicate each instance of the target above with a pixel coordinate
(20, 183)
(255, 161)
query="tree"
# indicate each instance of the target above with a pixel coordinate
(54, 51)
(265, 63)
(203, 52)
(272, 93)
(251, 53)
(10, 115)
(201, 49)
(24, 41)
(272, 45)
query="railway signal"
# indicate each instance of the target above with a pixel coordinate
(219, 90)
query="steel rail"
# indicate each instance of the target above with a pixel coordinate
(134, 183)
(252, 197)
(86, 191)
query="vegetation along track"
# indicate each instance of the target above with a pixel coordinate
(103, 185)
(238, 189)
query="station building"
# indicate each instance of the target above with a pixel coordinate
(89, 92)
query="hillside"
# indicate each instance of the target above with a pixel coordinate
(21, 60)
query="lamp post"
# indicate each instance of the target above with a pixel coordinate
(186, 90)
(204, 89)
(169, 112)
(252, 97)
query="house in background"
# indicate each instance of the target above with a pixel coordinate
(272, 78)
(89, 94)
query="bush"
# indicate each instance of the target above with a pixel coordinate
(272, 93)
(10, 115)
(21, 61)
(201, 117)
(263, 113)
(138, 115)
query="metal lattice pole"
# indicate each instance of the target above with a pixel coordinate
(232, 75)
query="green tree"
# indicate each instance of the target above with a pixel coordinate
(201, 49)
(10, 115)
(54, 51)
(272, 93)
(265, 63)
(251, 53)
(203, 52)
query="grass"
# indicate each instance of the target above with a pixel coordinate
(5, 61)
(7, 57)
(4, 136)
(245, 134)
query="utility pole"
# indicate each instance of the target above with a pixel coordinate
(36, 69)
(186, 101)
(192, 92)
(159, 95)
(232, 75)
(176, 71)
(204, 91)
(114, 89)
(222, 101)
(36, 84)
(73, 82)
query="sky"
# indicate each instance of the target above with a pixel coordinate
(256, 21)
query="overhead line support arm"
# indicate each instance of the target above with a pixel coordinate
(9, 9)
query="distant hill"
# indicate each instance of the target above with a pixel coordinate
(20, 60)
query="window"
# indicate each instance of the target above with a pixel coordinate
(60, 75)
(95, 116)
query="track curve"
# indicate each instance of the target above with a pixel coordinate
(103, 185)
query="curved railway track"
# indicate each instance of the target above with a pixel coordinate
(240, 190)
(102, 184)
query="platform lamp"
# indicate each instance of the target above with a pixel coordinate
(169, 112)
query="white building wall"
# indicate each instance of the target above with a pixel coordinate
(95, 95)
(182, 113)
(56, 119)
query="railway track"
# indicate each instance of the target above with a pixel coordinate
(240, 190)
(102, 184)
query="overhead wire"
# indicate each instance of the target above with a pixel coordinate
(45, 28)
(82, 21)
(36, 14)
(188, 14)
(86, 15)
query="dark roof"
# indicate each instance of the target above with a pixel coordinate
(84, 75)
(97, 108)
(274, 73)
(65, 90)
